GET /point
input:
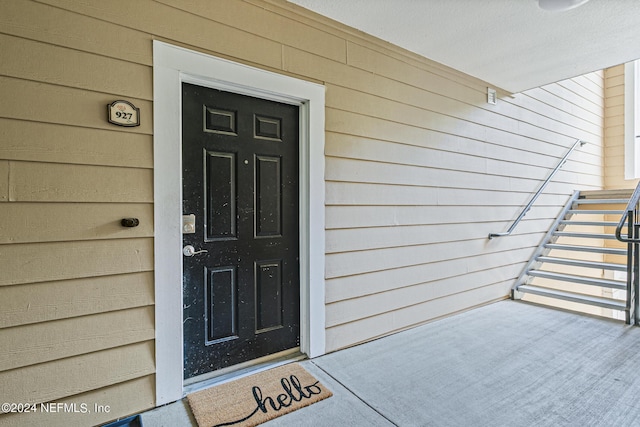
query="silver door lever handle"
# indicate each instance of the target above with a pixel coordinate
(190, 251)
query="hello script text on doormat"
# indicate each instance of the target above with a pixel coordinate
(257, 398)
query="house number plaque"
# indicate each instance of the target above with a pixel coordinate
(123, 113)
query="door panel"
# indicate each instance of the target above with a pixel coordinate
(221, 288)
(268, 201)
(240, 179)
(220, 192)
(269, 295)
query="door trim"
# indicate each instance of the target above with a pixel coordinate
(171, 66)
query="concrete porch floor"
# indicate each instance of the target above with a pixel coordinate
(504, 364)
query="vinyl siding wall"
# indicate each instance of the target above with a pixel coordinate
(76, 288)
(614, 144)
(614, 129)
(419, 170)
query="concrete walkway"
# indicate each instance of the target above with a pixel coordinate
(506, 364)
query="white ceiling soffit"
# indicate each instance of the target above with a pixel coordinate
(511, 44)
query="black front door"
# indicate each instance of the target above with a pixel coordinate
(241, 291)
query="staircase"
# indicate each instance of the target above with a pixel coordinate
(580, 265)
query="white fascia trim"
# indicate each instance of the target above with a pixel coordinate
(171, 66)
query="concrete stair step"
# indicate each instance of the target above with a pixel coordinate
(581, 263)
(604, 194)
(591, 249)
(602, 201)
(573, 297)
(585, 235)
(596, 212)
(584, 280)
(590, 223)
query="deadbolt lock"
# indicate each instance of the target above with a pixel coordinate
(188, 224)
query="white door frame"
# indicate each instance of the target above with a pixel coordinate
(171, 66)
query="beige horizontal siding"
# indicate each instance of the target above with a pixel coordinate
(352, 217)
(356, 193)
(614, 149)
(348, 311)
(52, 143)
(267, 24)
(58, 379)
(357, 239)
(41, 102)
(41, 22)
(383, 104)
(401, 136)
(496, 174)
(126, 398)
(396, 320)
(52, 64)
(4, 180)
(419, 170)
(70, 337)
(57, 222)
(449, 91)
(46, 301)
(359, 262)
(352, 287)
(77, 321)
(454, 138)
(43, 262)
(183, 27)
(614, 130)
(415, 150)
(371, 62)
(52, 182)
(578, 102)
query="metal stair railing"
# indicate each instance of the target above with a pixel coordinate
(632, 239)
(537, 194)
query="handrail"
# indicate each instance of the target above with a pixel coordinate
(535, 196)
(630, 216)
(633, 202)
